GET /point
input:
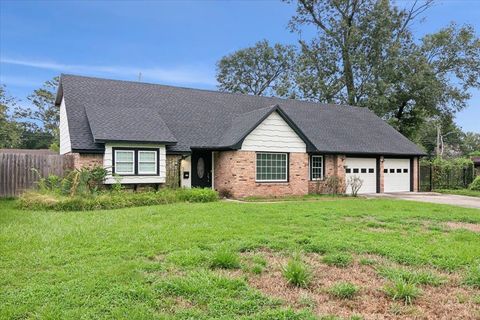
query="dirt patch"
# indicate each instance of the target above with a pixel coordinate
(463, 225)
(449, 301)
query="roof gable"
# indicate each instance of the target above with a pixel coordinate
(242, 125)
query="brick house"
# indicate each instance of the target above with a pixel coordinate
(242, 145)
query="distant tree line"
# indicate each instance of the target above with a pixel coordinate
(33, 125)
(364, 53)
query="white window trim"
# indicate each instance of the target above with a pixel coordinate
(311, 168)
(155, 161)
(133, 162)
(286, 167)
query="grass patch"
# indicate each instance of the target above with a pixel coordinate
(341, 260)
(343, 290)
(225, 258)
(113, 200)
(307, 197)
(460, 192)
(413, 277)
(367, 261)
(472, 276)
(296, 272)
(154, 262)
(401, 290)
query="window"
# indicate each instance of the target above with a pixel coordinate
(399, 170)
(147, 162)
(371, 170)
(135, 161)
(363, 170)
(385, 170)
(348, 170)
(355, 170)
(272, 167)
(125, 161)
(392, 170)
(316, 167)
(405, 170)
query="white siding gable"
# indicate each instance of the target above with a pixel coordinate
(65, 144)
(107, 163)
(274, 134)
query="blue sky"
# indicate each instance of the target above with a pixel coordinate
(169, 42)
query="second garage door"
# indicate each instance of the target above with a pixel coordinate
(396, 174)
(365, 169)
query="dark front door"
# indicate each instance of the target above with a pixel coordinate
(202, 169)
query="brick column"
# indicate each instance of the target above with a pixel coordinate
(415, 174)
(382, 174)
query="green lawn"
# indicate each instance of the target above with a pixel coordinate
(155, 262)
(462, 192)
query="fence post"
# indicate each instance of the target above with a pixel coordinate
(431, 178)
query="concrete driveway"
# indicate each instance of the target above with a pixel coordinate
(432, 197)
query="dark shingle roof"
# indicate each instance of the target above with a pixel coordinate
(194, 118)
(122, 124)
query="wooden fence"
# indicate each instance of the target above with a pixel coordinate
(20, 170)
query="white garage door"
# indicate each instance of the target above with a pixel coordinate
(396, 174)
(365, 169)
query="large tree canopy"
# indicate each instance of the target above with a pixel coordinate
(259, 70)
(364, 53)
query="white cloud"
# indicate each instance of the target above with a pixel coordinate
(177, 75)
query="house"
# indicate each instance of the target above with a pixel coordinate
(476, 165)
(238, 144)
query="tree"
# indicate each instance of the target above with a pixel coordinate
(10, 130)
(44, 110)
(42, 118)
(365, 54)
(471, 143)
(258, 70)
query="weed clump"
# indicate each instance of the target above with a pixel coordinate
(225, 258)
(343, 290)
(296, 272)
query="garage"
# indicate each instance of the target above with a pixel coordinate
(365, 169)
(396, 173)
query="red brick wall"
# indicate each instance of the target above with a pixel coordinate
(382, 174)
(87, 160)
(415, 174)
(334, 166)
(235, 172)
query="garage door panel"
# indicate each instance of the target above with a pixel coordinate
(365, 169)
(396, 175)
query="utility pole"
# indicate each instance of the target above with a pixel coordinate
(439, 136)
(139, 77)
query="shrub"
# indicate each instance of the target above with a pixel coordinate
(343, 290)
(475, 185)
(197, 195)
(333, 185)
(355, 184)
(401, 290)
(225, 258)
(341, 260)
(225, 193)
(112, 200)
(296, 272)
(472, 277)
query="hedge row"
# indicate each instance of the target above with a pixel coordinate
(113, 200)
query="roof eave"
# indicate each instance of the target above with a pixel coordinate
(167, 143)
